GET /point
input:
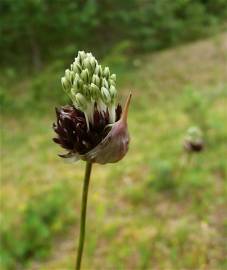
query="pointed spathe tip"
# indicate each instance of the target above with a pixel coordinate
(124, 115)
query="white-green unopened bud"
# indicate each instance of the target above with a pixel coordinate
(76, 81)
(112, 82)
(76, 67)
(113, 77)
(93, 62)
(105, 95)
(96, 80)
(68, 75)
(85, 75)
(98, 70)
(81, 55)
(79, 81)
(113, 92)
(86, 64)
(76, 84)
(86, 91)
(89, 54)
(89, 63)
(65, 84)
(95, 92)
(72, 75)
(106, 72)
(105, 83)
(80, 102)
(74, 91)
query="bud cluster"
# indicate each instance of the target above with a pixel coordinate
(90, 86)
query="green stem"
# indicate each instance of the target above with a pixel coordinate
(83, 214)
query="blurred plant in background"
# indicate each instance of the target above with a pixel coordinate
(193, 141)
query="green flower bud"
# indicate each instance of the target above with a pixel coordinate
(89, 54)
(106, 72)
(76, 80)
(96, 80)
(95, 92)
(81, 56)
(105, 95)
(105, 83)
(67, 74)
(93, 62)
(86, 63)
(113, 92)
(98, 70)
(80, 102)
(113, 77)
(112, 80)
(89, 63)
(72, 76)
(86, 91)
(74, 91)
(65, 84)
(85, 75)
(76, 67)
(76, 85)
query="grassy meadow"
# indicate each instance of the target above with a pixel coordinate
(156, 209)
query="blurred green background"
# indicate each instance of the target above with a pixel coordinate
(156, 209)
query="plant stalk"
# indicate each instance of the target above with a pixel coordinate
(83, 214)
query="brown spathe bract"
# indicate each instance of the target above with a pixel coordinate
(115, 145)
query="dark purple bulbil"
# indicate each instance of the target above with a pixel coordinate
(72, 132)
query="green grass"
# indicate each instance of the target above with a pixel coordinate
(154, 209)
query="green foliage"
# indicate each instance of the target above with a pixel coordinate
(196, 106)
(42, 218)
(162, 176)
(38, 30)
(4, 101)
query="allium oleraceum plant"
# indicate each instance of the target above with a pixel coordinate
(193, 141)
(94, 127)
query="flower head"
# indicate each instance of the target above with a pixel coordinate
(92, 128)
(193, 141)
(90, 87)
